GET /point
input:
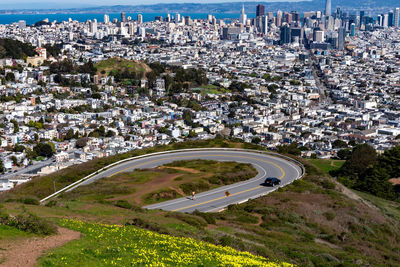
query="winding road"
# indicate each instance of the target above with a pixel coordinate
(267, 165)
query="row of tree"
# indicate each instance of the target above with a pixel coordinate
(366, 171)
(10, 48)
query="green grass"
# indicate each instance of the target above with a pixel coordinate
(327, 165)
(389, 208)
(107, 245)
(10, 233)
(117, 63)
(211, 89)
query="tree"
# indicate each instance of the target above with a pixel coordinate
(81, 143)
(96, 96)
(256, 140)
(375, 181)
(30, 154)
(344, 154)
(362, 157)
(10, 77)
(390, 162)
(339, 144)
(110, 133)
(44, 150)
(16, 126)
(69, 135)
(192, 134)
(2, 169)
(187, 116)
(290, 149)
(19, 148)
(14, 160)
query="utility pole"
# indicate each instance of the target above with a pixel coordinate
(54, 184)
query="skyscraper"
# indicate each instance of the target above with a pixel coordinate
(328, 8)
(278, 18)
(260, 10)
(341, 38)
(396, 17)
(243, 16)
(123, 17)
(106, 19)
(391, 19)
(286, 35)
(264, 28)
(353, 29)
(140, 19)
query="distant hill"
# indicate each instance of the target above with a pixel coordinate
(115, 65)
(373, 6)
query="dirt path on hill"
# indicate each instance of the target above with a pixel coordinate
(180, 169)
(25, 253)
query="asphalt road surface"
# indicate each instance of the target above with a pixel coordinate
(214, 200)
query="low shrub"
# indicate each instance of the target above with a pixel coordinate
(226, 240)
(31, 201)
(162, 194)
(195, 221)
(51, 203)
(141, 223)
(123, 204)
(200, 186)
(329, 215)
(208, 217)
(30, 223)
(246, 218)
(328, 184)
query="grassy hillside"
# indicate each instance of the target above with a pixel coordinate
(112, 66)
(107, 245)
(327, 165)
(313, 222)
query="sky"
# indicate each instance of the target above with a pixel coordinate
(51, 4)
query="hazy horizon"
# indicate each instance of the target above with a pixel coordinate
(49, 4)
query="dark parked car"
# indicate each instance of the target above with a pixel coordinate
(271, 181)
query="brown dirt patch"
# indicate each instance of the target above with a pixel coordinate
(149, 187)
(25, 253)
(395, 181)
(260, 220)
(180, 169)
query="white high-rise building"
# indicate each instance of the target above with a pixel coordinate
(328, 8)
(106, 19)
(140, 18)
(131, 28)
(243, 17)
(319, 36)
(385, 20)
(177, 17)
(264, 24)
(396, 17)
(93, 26)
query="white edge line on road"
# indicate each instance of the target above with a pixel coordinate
(77, 183)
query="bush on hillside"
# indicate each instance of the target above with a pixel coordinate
(29, 223)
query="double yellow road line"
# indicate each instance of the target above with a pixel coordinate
(195, 156)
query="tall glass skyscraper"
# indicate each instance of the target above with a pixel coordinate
(396, 17)
(260, 10)
(328, 8)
